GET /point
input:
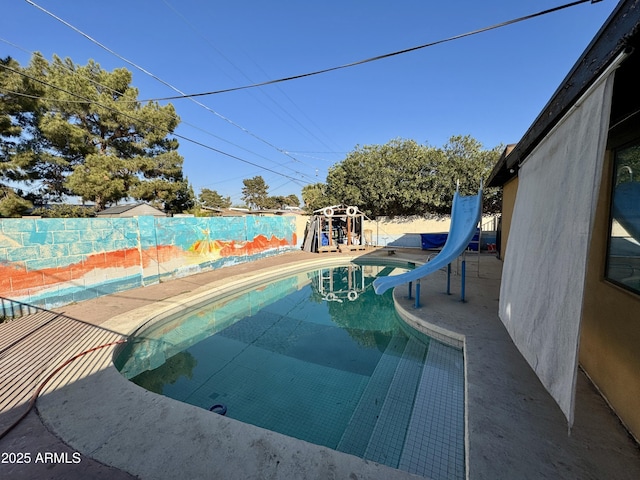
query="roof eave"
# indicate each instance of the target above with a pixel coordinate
(607, 44)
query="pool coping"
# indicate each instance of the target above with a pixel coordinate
(514, 428)
(246, 449)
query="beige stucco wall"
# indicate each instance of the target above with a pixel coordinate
(509, 192)
(395, 226)
(610, 335)
(403, 225)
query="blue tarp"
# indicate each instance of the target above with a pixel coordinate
(465, 215)
(437, 240)
(433, 240)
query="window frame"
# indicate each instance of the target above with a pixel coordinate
(613, 178)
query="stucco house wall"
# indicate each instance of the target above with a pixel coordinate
(610, 335)
(609, 328)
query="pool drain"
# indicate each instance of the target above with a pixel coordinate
(219, 408)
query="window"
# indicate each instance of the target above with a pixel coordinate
(623, 256)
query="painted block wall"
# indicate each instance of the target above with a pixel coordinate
(55, 261)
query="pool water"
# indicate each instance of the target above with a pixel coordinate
(320, 357)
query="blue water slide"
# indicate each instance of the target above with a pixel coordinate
(465, 215)
(626, 207)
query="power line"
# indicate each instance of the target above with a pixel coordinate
(318, 72)
(211, 46)
(283, 93)
(372, 59)
(93, 81)
(107, 107)
(155, 77)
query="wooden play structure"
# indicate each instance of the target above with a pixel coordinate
(337, 228)
(340, 284)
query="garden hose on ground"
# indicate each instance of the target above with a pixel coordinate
(37, 392)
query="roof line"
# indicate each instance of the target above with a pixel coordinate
(612, 39)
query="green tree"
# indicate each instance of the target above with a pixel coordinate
(18, 117)
(65, 211)
(95, 140)
(163, 184)
(291, 201)
(405, 178)
(315, 197)
(272, 202)
(12, 204)
(12, 119)
(255, 192)
(16, 103)
(212, 199)
(281, 201)
(182, 199)
(468, 163)
(382, 179)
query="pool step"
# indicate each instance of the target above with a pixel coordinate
(434, 445)
(356, 436)
(387, 439)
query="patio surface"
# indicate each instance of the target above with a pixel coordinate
(95, 424)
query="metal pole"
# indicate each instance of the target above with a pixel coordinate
(409, 297)
(418, 293)
(479, 243)
(464, 266)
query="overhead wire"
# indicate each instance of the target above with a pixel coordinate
(211, 46)
(18, 47)
(284, 94)
(304, 75)
(278, 164)
(360, 62)
(377, 57)
(107, 107)
(183, 95)
(238, 69)
(306, 154)
(155, 77)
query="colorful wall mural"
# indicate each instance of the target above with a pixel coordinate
(56, 261)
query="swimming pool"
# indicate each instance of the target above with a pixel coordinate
(316, 356)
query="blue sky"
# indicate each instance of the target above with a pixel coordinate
(490, 86)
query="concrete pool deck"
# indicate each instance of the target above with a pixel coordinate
(119, 430)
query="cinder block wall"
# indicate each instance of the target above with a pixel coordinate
(51, 262)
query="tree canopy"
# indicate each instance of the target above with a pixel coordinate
(212, 199)
(315, 197)
(254, 192)
(403, 177)
(80, 130)
(281, 201)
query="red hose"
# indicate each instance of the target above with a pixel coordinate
(36, 393)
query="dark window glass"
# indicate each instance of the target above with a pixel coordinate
(623, 256)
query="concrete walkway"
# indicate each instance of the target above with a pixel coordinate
(110, 428)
